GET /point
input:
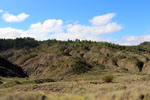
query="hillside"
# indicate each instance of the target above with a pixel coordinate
(7, 69)
(59, 59)
(73, 70)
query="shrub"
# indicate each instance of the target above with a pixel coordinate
(17, 82)
(1, 82)
(79, 65)
(107, 78)
(38, 81)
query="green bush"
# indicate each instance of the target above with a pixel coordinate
(38, 81)
(108, 78)
(79, 65)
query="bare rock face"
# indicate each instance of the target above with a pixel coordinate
(131, 64)
(38, 64)
(7, 69)
(146, 68)
(111, 64)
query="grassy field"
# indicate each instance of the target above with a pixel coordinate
(124, 86)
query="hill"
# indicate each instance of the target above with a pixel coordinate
(58, 59)
(73, 70)
(8, 69)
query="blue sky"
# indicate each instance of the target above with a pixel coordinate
(128, 20)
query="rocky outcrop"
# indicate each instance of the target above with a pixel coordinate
(146, 68)
(131, 64)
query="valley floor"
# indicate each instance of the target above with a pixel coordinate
(125, 86)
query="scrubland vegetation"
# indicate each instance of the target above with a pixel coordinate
(73, 70)
(124, 86)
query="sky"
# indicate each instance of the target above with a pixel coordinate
(124, 22)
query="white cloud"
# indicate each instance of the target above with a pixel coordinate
(86, 32)
(108, 28)
(101, 20)
(9, 32)
(43, 31)
(12, 18)
(54, 28)
(1, 10)
(73, 32)
(134, 40)
(99, 25)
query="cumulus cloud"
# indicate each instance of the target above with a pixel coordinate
(1, 10)
(54, 28)
(101, 20)
(99, 25)
(42, 31)
(14, 18)
(86, 32)
(9, 32)
(134, 40)
(73, 32)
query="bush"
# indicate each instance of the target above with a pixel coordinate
(38, 81)
(1, 82)
(108, 78)
(79, 65)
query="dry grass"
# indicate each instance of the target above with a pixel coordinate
(136, 93)
(125, 86)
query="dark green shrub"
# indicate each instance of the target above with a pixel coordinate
(17, 82)
(79, 65)
(38, 81)
(107, 78)
(1, 82)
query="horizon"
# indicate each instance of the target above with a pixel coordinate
(119, 22)
(72, 41)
